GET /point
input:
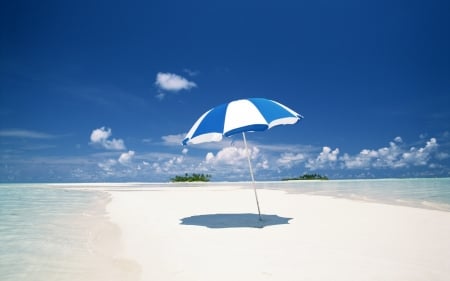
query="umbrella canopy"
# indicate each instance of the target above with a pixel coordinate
(240, 116)
(253, 114)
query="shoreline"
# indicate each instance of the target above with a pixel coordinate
(187, 233)
(424, 193)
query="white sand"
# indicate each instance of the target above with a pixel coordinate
(327, 238)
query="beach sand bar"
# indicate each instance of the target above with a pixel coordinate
(213, 233)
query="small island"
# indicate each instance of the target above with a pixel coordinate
(191, 178)
(308, 177)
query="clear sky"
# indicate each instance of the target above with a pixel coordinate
(106, 90)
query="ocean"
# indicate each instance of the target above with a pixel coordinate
(428, 193)
(62, 231)
(53, 233)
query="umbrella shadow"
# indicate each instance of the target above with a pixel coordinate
(234, 220)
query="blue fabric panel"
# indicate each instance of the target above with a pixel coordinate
(270, 110)
(250, 128)
(213, 122)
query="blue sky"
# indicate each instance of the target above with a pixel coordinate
(106, 90)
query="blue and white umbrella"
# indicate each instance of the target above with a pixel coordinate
(240, 116)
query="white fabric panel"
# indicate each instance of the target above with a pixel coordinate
(236, 112)
(283, 121)
(206, 138)
(195, 126)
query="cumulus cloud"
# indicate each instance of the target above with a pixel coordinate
(120, 167)
(230, 163)
(169, 165)
(173, 82)
(234, 159)
(230, 155)
(395, 156)
(126, 157)
(326, 158)
(101, 137)
(360, 161)
(420, 156)
(264, 164)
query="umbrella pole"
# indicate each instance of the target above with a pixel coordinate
(251, 173)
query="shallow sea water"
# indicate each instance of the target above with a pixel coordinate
(58, 234)
(62, 232)
(430, 193)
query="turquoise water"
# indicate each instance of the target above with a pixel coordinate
(421, 193)
(429, 193)
(56, 234)
(62, 232)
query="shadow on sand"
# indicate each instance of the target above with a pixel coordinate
(234, 220)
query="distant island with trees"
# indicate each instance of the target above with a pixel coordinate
(206, 178)
(308, 177)
(191, 178)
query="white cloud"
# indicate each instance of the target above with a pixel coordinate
(173, 82)
(233, 160)
(157, 168)
(394, 156)
(264, 164)
(442, 155)
(325, 159)
(362, 160)
(231, 155)
(16, 133)
(126, 157)
(328, 155)
(101, 137)
(191, 72)
(290, 159)
(173, 139)
(209, 158)
(170, 165)
(108, 165)
(420, 156)
(160, 96)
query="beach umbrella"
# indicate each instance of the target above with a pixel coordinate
(240, 116)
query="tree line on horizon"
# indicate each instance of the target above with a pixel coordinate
(308, 177)
(191, 178)
(206, 178)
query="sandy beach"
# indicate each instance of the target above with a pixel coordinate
(213, 233)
